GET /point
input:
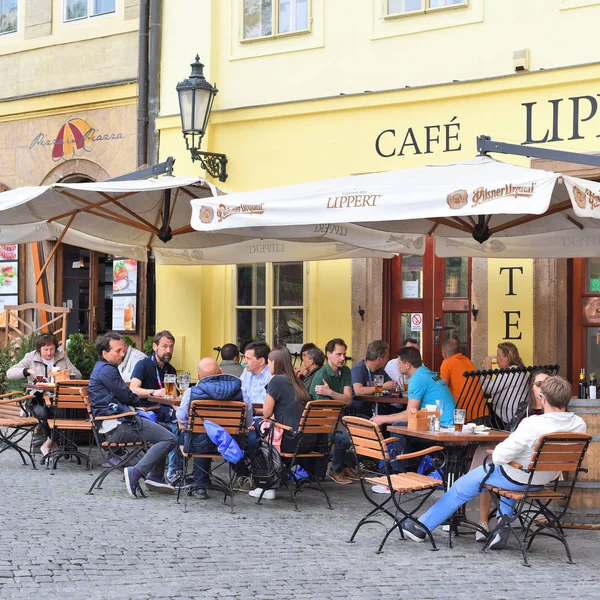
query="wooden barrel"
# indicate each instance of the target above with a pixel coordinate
(584, 509)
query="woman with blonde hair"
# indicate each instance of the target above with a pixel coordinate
(506, 389)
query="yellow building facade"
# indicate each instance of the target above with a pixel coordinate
(367, 86)
(68, 113)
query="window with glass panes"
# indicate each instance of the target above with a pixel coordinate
(82, 9)
(402, 7)
(9, 10)
(267, 18)
(270, 304)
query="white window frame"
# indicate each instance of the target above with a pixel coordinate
(275, 23)
(269, 307)
(90, 4)
(16, 30)
(426, 8)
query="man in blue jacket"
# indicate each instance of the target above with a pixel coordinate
(109, 396)
(212, 384)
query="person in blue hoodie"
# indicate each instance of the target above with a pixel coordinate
(212, 384)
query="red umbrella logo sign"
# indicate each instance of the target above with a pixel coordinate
(74, 137)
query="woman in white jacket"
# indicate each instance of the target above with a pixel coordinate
(40, 363)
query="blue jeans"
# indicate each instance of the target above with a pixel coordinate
(404, 445)
(341, 445)
(175, 458)
(464, 489)
(201, 444)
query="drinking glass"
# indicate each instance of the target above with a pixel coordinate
(170, 386)
(440, 406)
(378, 383)
(183, 383)
(459, 418)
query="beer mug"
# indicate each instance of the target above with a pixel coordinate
(378, 384)
(170, 386)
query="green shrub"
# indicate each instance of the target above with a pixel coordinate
(11, 354)
(82, 354)
(148, 350)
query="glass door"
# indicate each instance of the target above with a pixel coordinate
(84, 284)
(428, 299)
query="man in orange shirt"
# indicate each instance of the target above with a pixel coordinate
(453, 367)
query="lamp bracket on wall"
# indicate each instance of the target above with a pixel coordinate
(213, 163)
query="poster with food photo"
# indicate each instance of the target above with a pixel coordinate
(9, 282)
(124, 276)
(9, 252)
(124, 313)
(7, 301)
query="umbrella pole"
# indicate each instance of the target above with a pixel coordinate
(58, 241)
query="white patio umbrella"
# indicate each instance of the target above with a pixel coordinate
(511, 210)
(126, 218)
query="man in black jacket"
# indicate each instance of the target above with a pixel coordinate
(109, 396)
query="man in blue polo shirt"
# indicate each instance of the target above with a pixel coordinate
(147, 383)
(425, 387)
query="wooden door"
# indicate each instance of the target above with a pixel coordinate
(429, 299)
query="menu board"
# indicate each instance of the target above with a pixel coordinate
(125, 279)
(9, 280)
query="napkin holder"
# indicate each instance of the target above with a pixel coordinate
(418, 420)
(64, 375)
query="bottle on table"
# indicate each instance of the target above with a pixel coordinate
(582, 388)
(592, 388)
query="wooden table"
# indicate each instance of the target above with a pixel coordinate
(393, 398)
(459, 448)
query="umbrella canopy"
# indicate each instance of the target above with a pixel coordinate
(480, 207)
(126, 218)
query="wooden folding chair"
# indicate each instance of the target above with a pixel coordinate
(229, 414)
(18, 423)
(539, 511)
(69, 416)
(367, 441)
(130, 450)
(319, 418)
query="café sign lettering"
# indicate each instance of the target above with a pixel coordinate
(73, 138)
(556, 120)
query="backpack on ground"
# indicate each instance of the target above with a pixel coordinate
(266, 465)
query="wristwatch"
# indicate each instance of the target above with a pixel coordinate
(150, 393)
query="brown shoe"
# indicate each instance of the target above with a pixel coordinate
(339, 477)
(351, 473)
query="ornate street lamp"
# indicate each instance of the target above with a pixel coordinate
(196, 96)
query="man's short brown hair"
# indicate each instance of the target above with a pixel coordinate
(377, 349)
(411, 355)
(557, 391)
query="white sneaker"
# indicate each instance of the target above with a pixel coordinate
(380, 489)
(268, 495)
(480, 537)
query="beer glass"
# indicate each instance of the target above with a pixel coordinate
(183, 383)
(170, 386)
(459, 418)
(378, 383)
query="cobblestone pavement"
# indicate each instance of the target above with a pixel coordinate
(59, 543)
